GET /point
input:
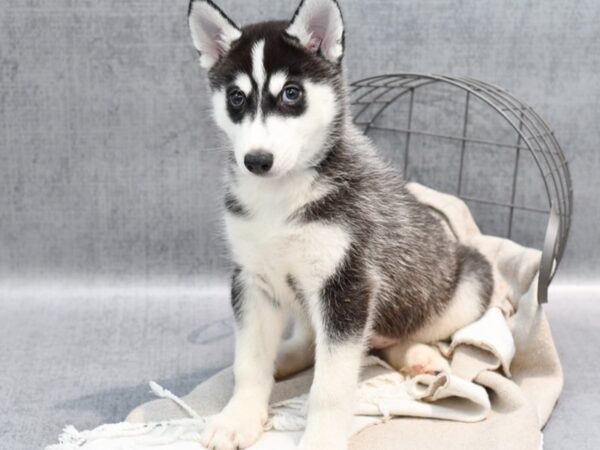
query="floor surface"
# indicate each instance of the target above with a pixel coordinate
(82, 360)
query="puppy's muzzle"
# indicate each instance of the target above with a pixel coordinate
(258, 162)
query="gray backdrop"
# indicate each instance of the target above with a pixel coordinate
(109, 161)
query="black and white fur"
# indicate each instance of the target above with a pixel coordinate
(319, 228)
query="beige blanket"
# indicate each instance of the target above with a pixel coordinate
(509, 352)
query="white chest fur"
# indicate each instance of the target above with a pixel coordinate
(270, 244)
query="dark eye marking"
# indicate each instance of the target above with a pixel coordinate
(236, 99)
(291, 94)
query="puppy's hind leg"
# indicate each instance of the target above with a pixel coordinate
(471, 297)
(414, 358)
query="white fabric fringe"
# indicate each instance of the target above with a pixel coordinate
(379, 398)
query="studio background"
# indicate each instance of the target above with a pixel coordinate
(111, 254)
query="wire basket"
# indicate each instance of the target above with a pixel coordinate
(479, 142)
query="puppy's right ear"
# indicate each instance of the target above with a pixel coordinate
(212, 31)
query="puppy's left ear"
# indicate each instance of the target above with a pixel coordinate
(319, 27)
(212, 31)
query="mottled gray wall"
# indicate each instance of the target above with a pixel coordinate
(109, 162)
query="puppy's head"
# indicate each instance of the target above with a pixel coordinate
(277, 86)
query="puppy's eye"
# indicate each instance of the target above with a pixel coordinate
(237, 99)
(291, 95)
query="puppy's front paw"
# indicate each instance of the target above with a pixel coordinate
(235, 428)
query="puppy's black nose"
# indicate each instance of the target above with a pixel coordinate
(258, 162)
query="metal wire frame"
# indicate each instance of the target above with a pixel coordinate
(532, 135)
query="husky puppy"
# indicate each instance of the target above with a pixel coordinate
(319, 229)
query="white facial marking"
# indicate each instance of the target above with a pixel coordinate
(277, 82)
(258, 64)
(219, 100)
(243, 82)
(295, 142)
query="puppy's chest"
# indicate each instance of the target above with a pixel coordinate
(261, 242)
(273, 247)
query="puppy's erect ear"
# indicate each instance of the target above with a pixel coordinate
(319, 26)
(212, 31)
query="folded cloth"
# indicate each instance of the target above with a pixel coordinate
(504, 381)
